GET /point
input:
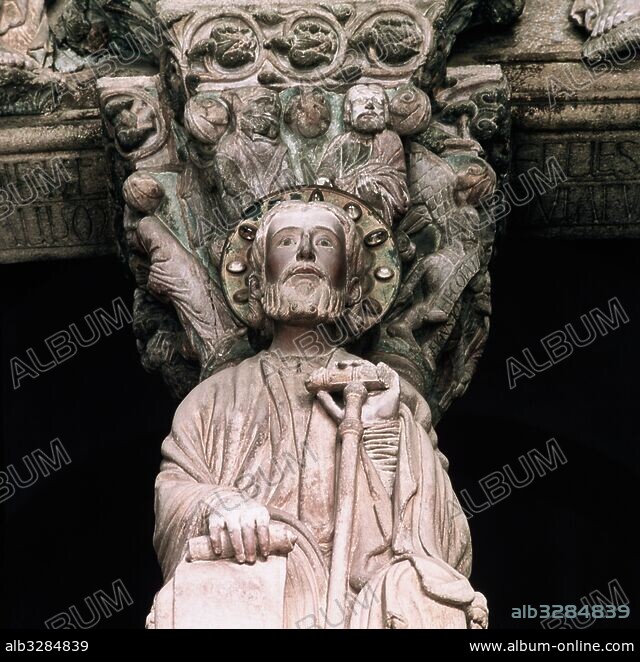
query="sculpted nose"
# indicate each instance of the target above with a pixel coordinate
(369, 104)
(305, 249)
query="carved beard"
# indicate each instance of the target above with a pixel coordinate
(303, 299)
(369, 123)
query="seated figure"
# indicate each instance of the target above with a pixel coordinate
(368, 159)
(254, 448)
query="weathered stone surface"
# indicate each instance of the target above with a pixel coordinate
(613, 25)
(246, 105)
(24, 33)
(303, 189)
(207, 595)
(600, 196)
(586, 118)
(293, 42)
(53, 188)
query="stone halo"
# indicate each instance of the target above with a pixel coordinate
(376, 236)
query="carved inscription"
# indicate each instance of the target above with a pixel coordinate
(598, 194)
(53, 207)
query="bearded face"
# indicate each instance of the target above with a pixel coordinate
(305, 267)
(303, 297)
(367, 108)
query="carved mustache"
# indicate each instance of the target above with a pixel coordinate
(298, 269)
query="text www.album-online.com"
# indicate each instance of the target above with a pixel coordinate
(561, 646)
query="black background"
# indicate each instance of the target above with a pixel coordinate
(567, 534)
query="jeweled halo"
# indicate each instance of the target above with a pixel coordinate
(377, 237)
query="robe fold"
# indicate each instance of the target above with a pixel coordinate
(254, 427)
(372, 167)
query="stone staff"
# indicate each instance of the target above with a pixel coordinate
(354, 382)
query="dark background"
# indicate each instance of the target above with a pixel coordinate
(567, 534)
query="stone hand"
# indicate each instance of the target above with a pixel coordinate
(244, 520)
(367, 187)
(12, 58)
(478, 613)
(380, 406)
(174, 273)
(619, 11)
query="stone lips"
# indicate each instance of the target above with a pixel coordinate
(377, 237)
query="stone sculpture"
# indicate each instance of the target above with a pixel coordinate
(368, 159)
(308, 113)
(24, 33)
(304, 195)
(613, 25)
(252, 160)
(386, 532)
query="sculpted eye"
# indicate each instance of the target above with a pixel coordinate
(286, 241)
(325, 242)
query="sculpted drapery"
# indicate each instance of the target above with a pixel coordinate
(270, 191)
(412, 554)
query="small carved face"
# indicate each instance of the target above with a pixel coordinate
(308, 113)
(261, 115)
(305, 266)
(132, 120)
(206, 118)
(366, 108)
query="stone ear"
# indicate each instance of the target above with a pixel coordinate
(255, 286)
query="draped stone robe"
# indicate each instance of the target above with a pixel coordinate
(250, 168)
(372, 167)
(255, 427)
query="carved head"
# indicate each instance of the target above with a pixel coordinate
(308, 113)
(132, 119)
(366, 108)
(206, 118)
(307, 264)
(259, 113)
